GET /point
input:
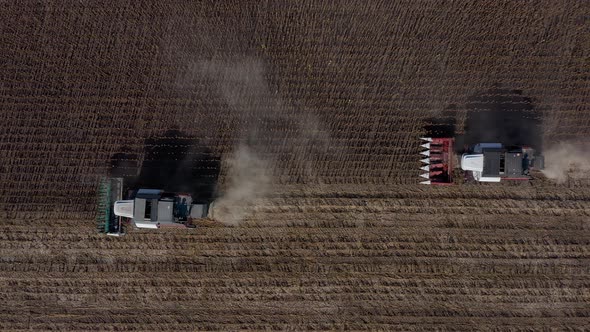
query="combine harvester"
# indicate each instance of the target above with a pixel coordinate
(483, 162)
(147, 208)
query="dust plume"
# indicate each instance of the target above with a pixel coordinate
(277, 139)
(267, 127)
(567, 159)
(249, 179)
(241, 85)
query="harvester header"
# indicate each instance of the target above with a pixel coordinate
(437, 161)
(110, 190)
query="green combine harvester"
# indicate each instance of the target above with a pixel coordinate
(145, 208)
(110, 190)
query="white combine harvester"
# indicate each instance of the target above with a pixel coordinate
(484, 162)
(146, 208)
(154, 208)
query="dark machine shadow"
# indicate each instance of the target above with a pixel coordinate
(493, 116)
(174, 162)
(124, 164)
(503, 116)
(443, 125)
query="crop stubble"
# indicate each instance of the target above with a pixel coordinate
(357, 245)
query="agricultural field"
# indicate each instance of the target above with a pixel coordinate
(303, 117)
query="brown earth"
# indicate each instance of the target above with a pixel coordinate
(331, 97)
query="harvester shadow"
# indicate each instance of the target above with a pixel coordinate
(493, 116)
(124, 164)
(442, 125)
(503, 116)
(174, 162)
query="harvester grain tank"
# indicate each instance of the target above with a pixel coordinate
(483, 162)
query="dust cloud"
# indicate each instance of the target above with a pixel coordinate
(567, 159)
(241, 85)
(249, 179)
(267, 127)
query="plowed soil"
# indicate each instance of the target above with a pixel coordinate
(332, 96)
